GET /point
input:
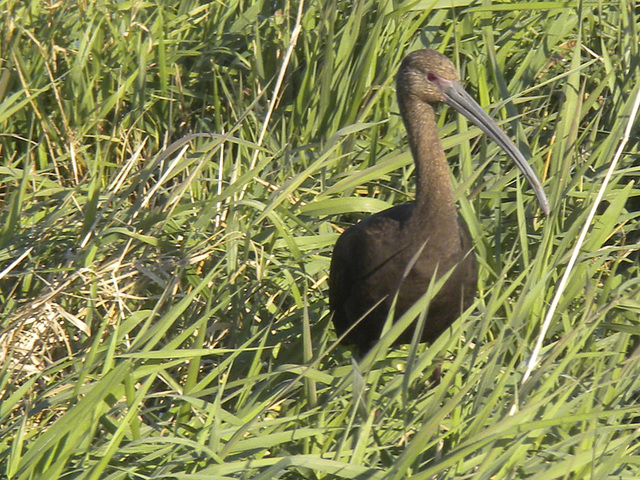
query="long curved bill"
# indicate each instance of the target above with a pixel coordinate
(458, 98)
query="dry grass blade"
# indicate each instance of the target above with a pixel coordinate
(534, 359)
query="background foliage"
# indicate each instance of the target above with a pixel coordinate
(163, 307)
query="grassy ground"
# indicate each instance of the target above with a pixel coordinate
(163, 294)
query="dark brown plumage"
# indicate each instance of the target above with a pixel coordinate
(370, 258)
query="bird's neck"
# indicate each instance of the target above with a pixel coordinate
(434, 194)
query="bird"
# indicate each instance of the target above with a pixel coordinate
(371, 266)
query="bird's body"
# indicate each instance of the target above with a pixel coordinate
(370, 262)
(378, 243)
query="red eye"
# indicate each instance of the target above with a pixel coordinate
(432, 77)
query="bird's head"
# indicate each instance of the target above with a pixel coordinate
(426, 75)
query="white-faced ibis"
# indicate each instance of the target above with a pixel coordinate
(370, 258)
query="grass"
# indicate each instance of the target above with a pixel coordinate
(168, 211)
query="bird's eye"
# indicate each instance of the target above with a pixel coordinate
(432, 77)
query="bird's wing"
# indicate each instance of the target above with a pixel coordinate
(341, 279)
